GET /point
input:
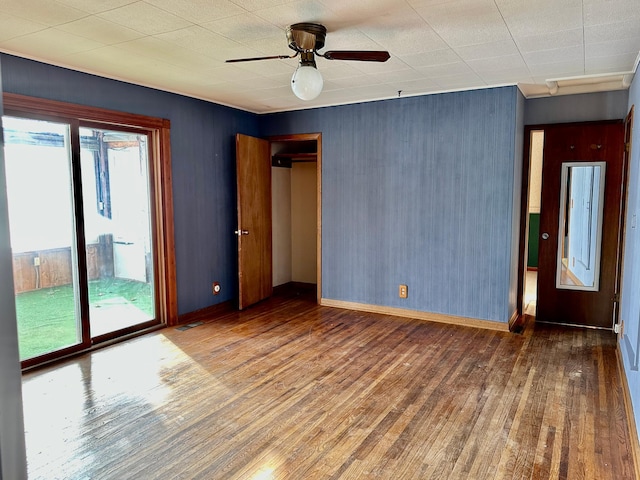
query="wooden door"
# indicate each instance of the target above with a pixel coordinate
(253, 171)
(561, 296)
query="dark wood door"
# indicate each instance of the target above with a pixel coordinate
(253, 168)
(557, 302)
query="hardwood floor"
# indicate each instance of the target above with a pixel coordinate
(291, 390)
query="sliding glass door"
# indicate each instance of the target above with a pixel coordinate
(118, 230)
(82, 233)
(43, 235)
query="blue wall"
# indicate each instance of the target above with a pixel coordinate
(577, 108)
(419, 191)
(203, 166)
(630, 308)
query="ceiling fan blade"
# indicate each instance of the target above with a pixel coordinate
(273, 57)
(358, 55)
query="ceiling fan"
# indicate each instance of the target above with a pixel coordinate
(305, 39)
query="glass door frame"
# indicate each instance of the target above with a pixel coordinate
(161, 208)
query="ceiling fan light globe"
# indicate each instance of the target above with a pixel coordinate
(306, 82)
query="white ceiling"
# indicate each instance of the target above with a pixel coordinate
(435, 45)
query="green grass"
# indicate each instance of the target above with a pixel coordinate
(47, 319)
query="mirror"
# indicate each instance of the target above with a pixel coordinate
(580, 228)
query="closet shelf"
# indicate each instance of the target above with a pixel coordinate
(296, 156)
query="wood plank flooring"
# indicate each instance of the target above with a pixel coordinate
(291, 390)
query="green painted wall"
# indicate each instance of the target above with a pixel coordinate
(534, 235)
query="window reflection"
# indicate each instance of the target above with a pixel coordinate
(582, 196)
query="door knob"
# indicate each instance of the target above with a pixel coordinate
(545, 236)
(241, 232)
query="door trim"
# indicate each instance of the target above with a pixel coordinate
(624, 197)
(524, 216)
(298, 137)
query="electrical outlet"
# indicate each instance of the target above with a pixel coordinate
(36, 261)
(403, 291)
(215, 288)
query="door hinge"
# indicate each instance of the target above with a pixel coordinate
(627, 147)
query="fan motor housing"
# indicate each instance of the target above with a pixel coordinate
(306, 37)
